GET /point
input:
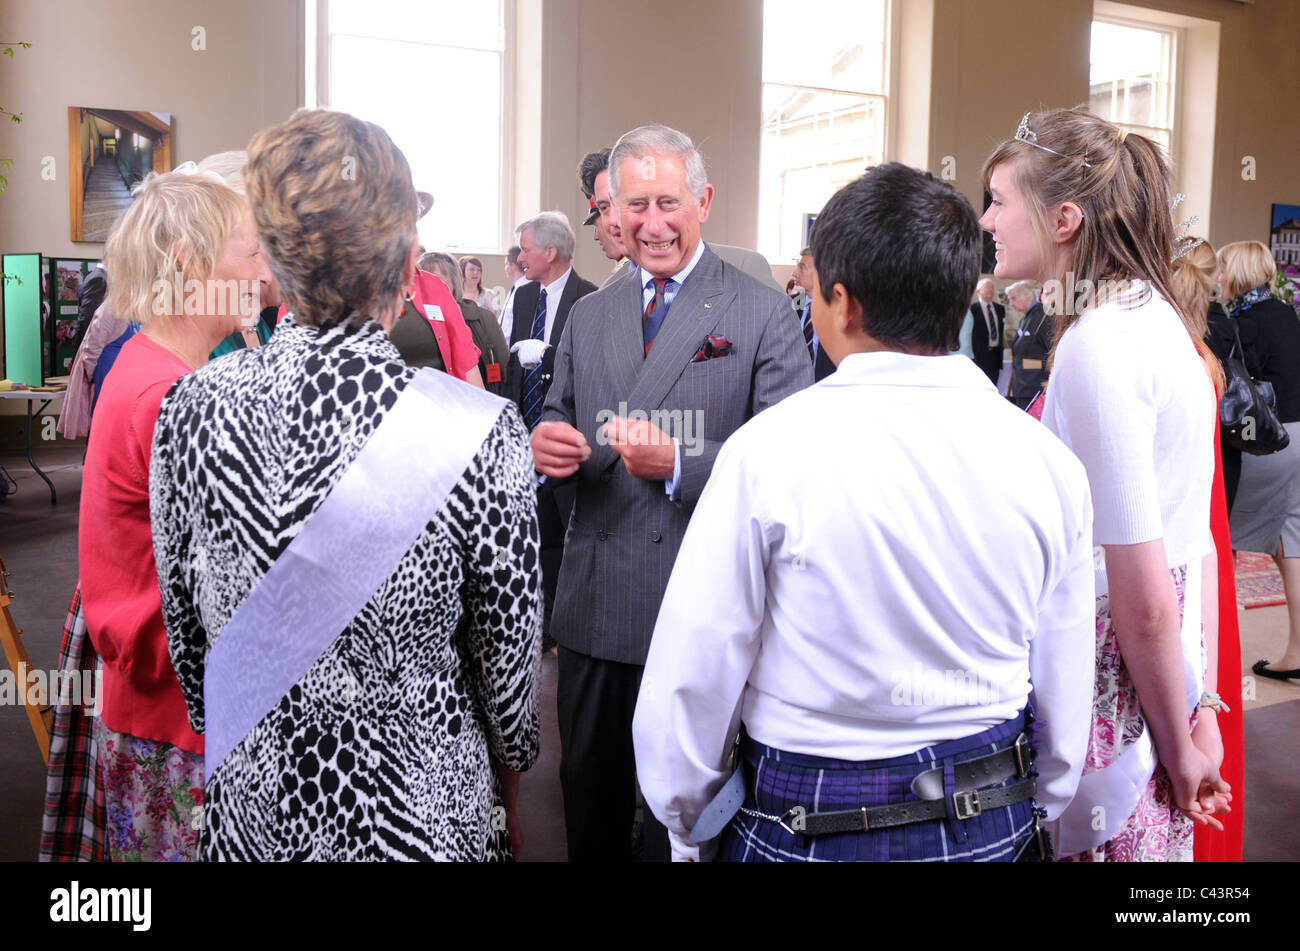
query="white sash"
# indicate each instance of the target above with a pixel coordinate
(348, 548)
(1106, 798)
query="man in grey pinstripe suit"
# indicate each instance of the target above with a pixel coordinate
(653, 372)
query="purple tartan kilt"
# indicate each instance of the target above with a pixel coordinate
(776, 781)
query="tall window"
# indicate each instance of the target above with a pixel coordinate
(1132, 78)
(432, 73)
(825, 64)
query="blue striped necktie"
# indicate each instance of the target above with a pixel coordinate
(532, 400)
(808, 329)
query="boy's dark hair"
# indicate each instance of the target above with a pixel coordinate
(906, 247)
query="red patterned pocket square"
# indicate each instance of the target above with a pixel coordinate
(713, 346)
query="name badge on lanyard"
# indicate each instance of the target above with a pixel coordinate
(433, 312)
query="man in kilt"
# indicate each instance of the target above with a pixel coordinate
(888, 578)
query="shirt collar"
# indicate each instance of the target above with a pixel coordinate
(890, 368)
(556, 287)
(523, 279)
(680, 277)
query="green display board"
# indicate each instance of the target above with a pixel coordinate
(22, 330)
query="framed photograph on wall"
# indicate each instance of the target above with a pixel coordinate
(111, 151)
(1284, 236)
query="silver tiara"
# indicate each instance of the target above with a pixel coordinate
(1030, 137)
(1182, 243)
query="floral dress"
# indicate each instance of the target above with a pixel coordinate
(1156, 831)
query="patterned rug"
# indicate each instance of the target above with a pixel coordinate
(1258, 583)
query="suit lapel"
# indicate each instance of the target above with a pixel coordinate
(523, 315)
(688, 320)
(566, 301)
(626, 348)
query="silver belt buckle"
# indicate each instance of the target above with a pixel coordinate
(967, 803)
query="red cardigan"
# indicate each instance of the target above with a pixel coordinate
(119, 580)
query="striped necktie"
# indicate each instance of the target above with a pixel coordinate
(531, 404)
(655, 311)
(808, 329)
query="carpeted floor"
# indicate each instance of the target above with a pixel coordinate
(1259, 585)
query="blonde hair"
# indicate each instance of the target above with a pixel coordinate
(1194, 284)
(229, 165)
(335, 212)
(171, 235)
(1245, 265)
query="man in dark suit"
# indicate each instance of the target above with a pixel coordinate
(1031, 346)
(653, 373)
(986, 334)
(823, 366)
(541, 310)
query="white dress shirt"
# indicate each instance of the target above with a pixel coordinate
(553, 292)
(671, 486)
(863, 578)
(506, 319)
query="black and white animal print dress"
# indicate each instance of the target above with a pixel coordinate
(384, 749)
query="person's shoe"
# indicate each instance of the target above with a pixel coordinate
(1261, 668)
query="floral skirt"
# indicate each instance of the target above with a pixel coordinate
(153, 798)
(1156, 831)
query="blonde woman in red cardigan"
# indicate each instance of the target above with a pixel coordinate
(183, 234)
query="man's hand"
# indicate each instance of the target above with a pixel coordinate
(646, 449)
(558, 449)
(530, 352)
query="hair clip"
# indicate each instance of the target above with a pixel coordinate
(1183, 245)
(192, 168)
(1030, 137)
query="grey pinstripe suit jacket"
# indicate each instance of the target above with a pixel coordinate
(624, 533)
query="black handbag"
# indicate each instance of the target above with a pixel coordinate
(1248, 409)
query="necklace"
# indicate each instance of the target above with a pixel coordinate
(170, 349)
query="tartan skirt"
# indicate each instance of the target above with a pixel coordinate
(777, 781)
(72, 829)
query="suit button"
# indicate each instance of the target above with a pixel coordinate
(656, 537)
(602, 535)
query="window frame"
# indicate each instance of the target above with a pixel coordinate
(889, 84)
(1178, 39)
(317, 95)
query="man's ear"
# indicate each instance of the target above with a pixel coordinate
(705, 203)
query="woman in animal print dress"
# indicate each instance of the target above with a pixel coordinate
(397, 730)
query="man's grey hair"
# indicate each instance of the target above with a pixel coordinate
(983, 281)
(1023, 289)
(551, 228)
(659, 140)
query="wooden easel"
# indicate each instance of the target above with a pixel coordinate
(11, 641)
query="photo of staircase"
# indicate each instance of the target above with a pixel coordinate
(114, 149)
(106, 197)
